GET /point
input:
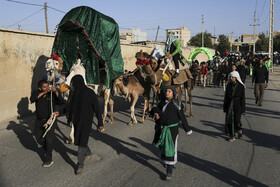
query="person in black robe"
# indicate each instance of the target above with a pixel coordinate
(168, 114)
(234, 106)
(242, 71)
(82, 106)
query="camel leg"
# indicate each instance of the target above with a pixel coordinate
(186, 99)
(146, 103)
(111, 104)
(190, 101)
(133, 118)
(71, 136)
(106, 101)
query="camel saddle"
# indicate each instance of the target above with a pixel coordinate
(184, 73)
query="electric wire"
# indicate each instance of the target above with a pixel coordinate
(25, 18)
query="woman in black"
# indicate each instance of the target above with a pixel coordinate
(168, 115)
(82, 106)
(234, 105)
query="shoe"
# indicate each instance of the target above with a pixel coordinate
(47, 164)
(79, 171)
(101, 129)
(169, 169)
(168, 177)
(176, 75)
(232, 139)
(260, 105)
(87, 158)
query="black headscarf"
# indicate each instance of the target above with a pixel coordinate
(175, 100)
(77, 87)
(175, 95)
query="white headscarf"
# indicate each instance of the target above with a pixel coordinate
(237, 76)
(170, 38)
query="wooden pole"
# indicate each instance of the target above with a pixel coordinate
(46, 18)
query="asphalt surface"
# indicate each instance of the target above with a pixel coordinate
(124, 156)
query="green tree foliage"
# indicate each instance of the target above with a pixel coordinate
(223, 44)
(262, 43)
(276, 43)
(197, 40)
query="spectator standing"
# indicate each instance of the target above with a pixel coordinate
(260, 81)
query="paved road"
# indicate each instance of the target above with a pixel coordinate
(124, 156)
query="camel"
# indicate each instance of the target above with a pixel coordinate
(135, 89)
(156, 72)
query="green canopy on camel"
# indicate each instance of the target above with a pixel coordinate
(196, 51)
(94, 37)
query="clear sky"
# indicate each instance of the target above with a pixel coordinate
(222, 16)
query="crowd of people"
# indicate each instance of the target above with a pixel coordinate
(83, 104)
(216, 72)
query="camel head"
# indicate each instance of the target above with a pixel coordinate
(140, 56)
(154, 63)
(52, 65)
(118, 81)
(76, 69)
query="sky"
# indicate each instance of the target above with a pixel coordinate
(229, 17)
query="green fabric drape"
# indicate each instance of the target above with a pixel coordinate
(165, 141)
(103, 32)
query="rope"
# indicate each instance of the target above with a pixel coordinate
(48, 125)
(164, 72)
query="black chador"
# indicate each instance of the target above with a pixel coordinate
(82, 107)
(234, 106)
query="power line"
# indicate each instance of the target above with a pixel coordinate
(56, 9)
(25, 3)
(32, 4)
(262, 9)
(25, 18)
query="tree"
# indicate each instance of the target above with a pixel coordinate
(197, 40)
(262, 43)
(223, 44)
(276, 43)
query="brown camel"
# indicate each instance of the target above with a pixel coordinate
(156, 71)
(135, 87)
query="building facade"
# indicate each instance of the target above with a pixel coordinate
(134, 35)
(182, 33)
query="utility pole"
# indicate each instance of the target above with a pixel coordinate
(214, 31)
(46, 18)
(254, 47)
(270, 43)
(231, 41)
(202, 34)
(157, 34)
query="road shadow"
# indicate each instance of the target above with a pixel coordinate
(118, 146)
(25, 136)
(222, 173)
(24, 129)
(262, 139)
(260, 111)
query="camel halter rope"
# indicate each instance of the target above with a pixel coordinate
(48, 125)
(164, 69)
